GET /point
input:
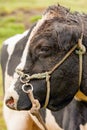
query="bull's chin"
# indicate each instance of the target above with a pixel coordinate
(59, 105)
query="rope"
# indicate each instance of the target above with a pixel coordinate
(35, 109)
(50, 72)
(64, 58)
(48, 90)
(80, 52)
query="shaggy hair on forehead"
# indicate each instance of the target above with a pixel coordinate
(66, 24)
(57, 9)
(63, 12)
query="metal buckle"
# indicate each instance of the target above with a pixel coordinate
(27, 86)
(25, 78)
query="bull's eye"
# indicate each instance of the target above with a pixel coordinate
(44, 51)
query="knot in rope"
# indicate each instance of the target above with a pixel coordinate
(82, 50)
(81, 47)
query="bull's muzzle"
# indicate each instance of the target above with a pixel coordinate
(11, 98)
(10, 102)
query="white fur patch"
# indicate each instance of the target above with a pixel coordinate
(11, 42)
(14, 39)
(36, 121)
(77, 99)
(83, 127)
(16, 120)
(50, 121)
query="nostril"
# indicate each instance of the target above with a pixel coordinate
(10, 103)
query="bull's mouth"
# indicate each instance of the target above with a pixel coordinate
(10, 103)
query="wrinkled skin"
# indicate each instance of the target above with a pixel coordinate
(46, 47)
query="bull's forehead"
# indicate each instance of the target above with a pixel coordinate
(45, 17)
(50, 13)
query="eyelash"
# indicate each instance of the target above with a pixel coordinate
(44, 51)
(45, 48)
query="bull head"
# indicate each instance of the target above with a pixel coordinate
(50, 40)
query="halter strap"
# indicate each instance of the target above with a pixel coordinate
(82, 50)
(81, 96)
(53, 69)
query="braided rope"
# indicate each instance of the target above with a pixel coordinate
(82, 50)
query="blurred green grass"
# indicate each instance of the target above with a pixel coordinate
(13, 21)
(10, 25)
(10, 5)
(2, 123)
(7, 6)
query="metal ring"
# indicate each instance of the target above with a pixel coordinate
(26, 78)
(27, 84)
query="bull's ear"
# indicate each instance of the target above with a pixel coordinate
(68, 37)
(76, 34)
